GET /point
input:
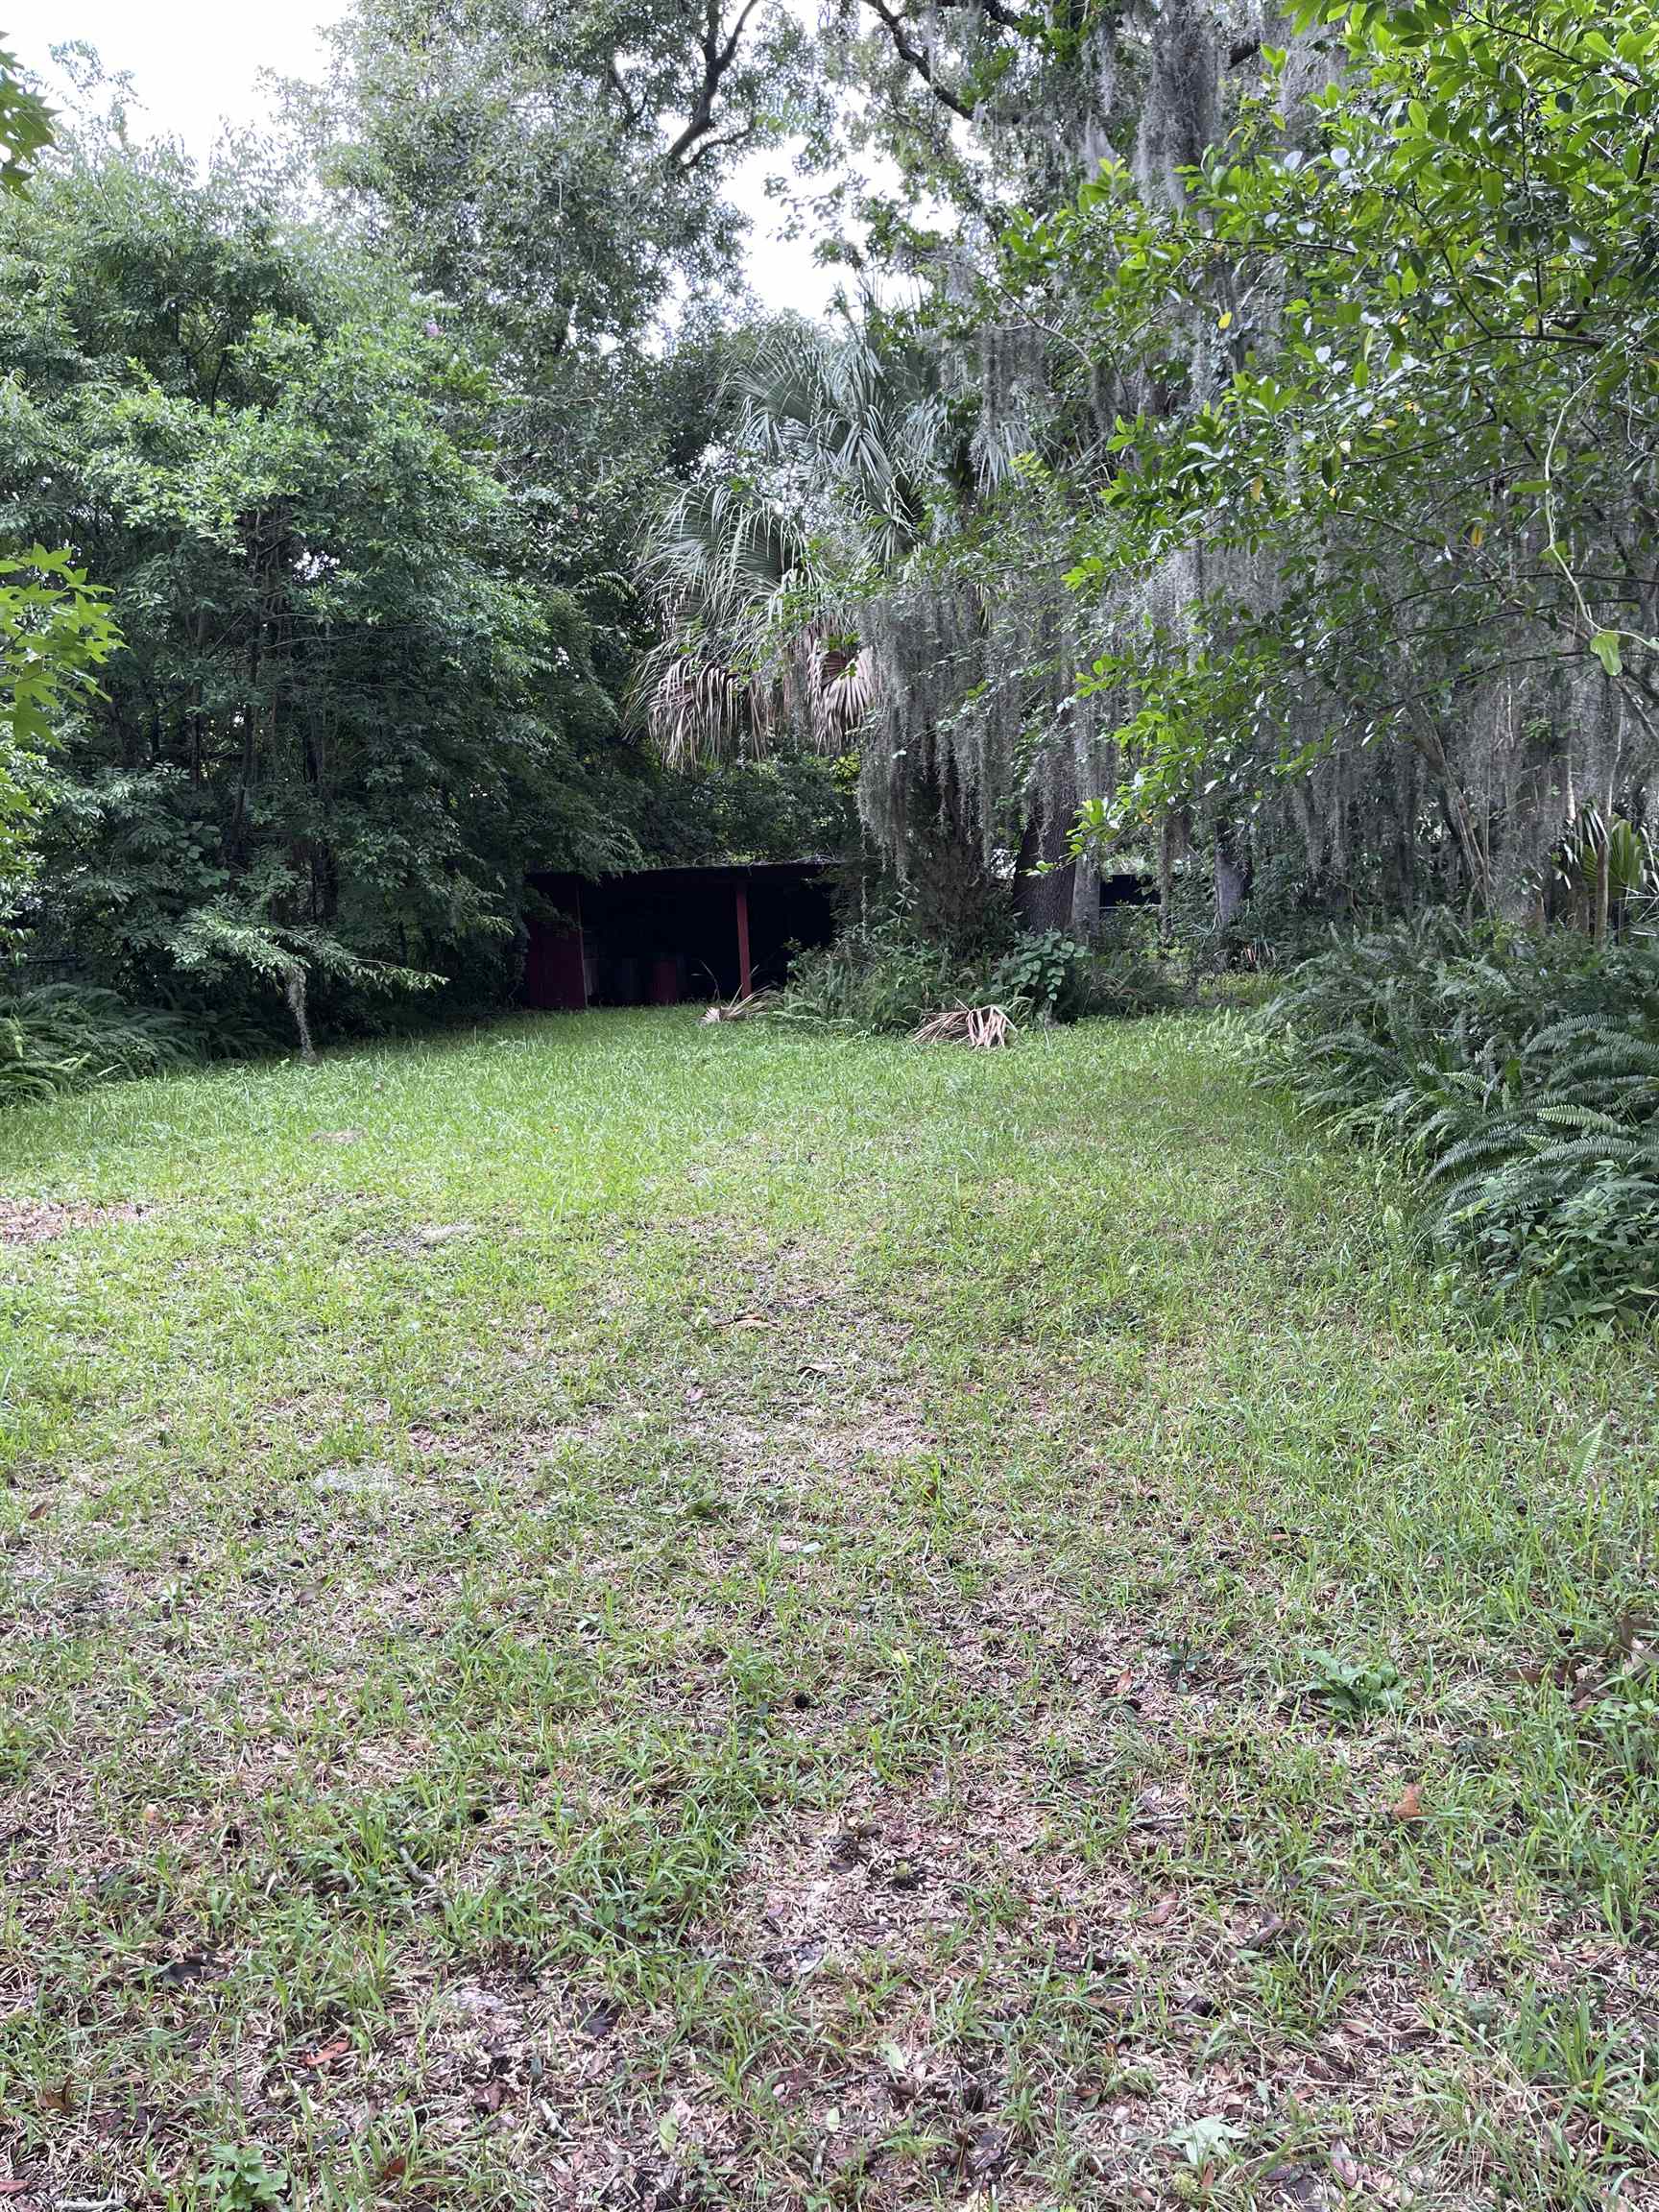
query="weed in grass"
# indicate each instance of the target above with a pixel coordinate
(1354, 1692)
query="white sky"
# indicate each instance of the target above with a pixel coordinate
(197, 63)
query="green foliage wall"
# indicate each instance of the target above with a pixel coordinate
(346, 716)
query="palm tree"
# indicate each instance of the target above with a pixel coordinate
(809, 597)
(760, 573)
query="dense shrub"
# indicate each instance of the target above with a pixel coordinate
(877, 976)
(1127, 982)
(63, 1038)
(883, 978)
(1518, 1072)
(1045, 974)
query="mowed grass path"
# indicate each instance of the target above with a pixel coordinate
(623, 1614)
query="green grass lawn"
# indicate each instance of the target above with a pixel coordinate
(616, 1613)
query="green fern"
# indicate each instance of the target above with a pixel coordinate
(59, 1037)
(1518, 1074)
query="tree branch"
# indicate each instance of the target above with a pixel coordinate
(916, 58)
(722, 145)
(993, 11)
(629, 106)
(718, 55)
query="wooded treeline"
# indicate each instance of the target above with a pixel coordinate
(1234, 460)
(1259, 481)
(358, 432)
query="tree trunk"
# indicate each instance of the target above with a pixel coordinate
(1085, 901)
(1172, 843)
(1047, 901)
(294, 989)
(1231, 875)
(1459, 815)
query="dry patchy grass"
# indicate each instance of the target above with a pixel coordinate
(695, 1618)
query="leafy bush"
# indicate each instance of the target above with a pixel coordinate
(882, 979)
(1354, 1692)
(877, 976)
(63, 1038)
(1145, 962)
(1047, 972)
(242, 2179)
(1130, 984)
(1519, 1072)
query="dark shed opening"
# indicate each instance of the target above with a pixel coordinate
(657, 935)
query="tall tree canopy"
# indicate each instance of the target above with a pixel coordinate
(553, 176)
(1305, 392)
(1241, 451)
(344, 722)
(555, 170)
(25, 124)
(54, 629)
(554, 179)
(1405, 450)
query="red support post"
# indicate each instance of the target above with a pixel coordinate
(745, 978)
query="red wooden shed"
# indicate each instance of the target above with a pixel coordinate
(657, 935)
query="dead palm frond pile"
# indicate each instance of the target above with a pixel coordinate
(986, 1028)
(741, 1009)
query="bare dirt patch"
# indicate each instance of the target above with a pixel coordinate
(35, 1220)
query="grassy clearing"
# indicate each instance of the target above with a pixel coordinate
(623, 1614)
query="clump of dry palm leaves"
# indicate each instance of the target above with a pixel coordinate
(985, 1029)
(740, 1008)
